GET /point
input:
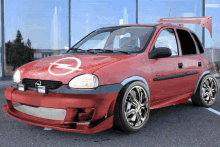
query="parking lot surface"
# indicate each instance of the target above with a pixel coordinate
(180, 125)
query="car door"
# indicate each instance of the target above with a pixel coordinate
(191, 61)
(165, 83)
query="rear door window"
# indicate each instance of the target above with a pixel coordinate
(187, 44)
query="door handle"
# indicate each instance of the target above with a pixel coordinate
(199, 64)
(180, 65)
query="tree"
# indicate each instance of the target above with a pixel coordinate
(8, 46)
(28, 44)
(19, 52)
(29, 49)
(18, 37)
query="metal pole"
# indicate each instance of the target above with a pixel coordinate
(3, 39)
(136, 11)
(203, 29)
(69, 23)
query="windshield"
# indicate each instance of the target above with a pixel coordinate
(121, 39)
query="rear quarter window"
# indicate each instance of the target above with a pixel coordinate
(201, 50)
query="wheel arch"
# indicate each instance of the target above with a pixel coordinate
(200, 78)
(136, 78)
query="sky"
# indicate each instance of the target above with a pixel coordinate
(35, 18)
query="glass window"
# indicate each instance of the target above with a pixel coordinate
(44, 22)
(89, 15)
(118, 38)
(0, 44)
(212, 7)
(167, 39)
(201, 50)
(151, 10)
(96, 42)
(130, 39)
(186, 42)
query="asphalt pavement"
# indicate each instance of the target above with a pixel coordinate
(182, 125)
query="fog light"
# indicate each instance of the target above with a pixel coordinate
(42, 89)
(22, 87)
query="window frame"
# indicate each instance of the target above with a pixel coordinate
(157, 35)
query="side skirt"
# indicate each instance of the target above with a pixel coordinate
(171, 101)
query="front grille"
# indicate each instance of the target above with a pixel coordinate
(50, 84)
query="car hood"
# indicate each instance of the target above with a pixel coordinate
(64, 67)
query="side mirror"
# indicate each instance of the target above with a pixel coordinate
(160, 52)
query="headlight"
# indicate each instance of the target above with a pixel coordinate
(17, 76)
(84, 81)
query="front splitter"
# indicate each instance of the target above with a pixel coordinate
(104, 125)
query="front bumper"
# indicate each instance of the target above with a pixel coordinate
(84, 113)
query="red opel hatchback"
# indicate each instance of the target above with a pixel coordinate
(112, 78)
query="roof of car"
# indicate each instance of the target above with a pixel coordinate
(153, 25)
(129, 25)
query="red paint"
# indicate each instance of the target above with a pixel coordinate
(89, 64)
(101, 102)
(106, 124)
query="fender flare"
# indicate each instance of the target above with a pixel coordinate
(136, 78)
(200, 78)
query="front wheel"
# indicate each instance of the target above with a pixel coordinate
(206, 93)
(132, 108)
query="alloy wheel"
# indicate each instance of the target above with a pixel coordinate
(209, 90)
(136, 106)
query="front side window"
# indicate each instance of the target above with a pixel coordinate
(129, 39)
(186, 42)
(167, 39)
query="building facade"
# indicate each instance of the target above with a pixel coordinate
(47, 27)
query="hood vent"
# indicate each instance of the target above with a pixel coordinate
(50, 84)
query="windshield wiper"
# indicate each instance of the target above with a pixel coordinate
(106, 51)
(76, 49)
(122, 52)
(100, 51)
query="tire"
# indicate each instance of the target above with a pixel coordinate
(206, 92)
(132, 113)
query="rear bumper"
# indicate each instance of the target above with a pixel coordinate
(85, 113)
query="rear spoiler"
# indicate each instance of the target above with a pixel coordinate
(205, 21)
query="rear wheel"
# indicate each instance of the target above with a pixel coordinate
(132, 108)
(206, 92)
